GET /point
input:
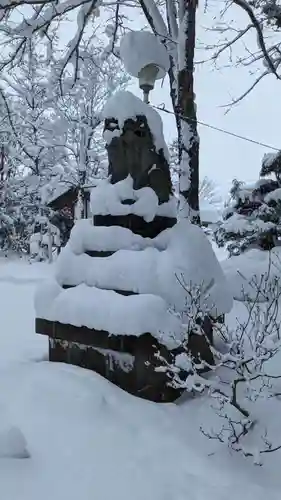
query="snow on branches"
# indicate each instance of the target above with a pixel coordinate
(262, 18)
(245, 369)
(252, 216)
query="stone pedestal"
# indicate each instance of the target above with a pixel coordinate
(127, 361)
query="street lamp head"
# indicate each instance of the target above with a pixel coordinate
(147, 78)
(145, 58)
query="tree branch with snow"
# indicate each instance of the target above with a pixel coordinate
(246, 356)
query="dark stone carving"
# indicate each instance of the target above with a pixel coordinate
(134, 153)
(99, 253)
(136, 223)
(126, 293)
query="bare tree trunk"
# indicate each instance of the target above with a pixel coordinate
(2, 163)
(181, 26)
(50, 244)
(186, 109)
(166, 37)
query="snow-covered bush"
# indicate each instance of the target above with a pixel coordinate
(247, 360)
(43, 240)
(252, 217)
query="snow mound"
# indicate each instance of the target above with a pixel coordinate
(141, 48)
(247, 271)
(13, 444)
(107, 199)
(124, 105)
(87, 237)
(109, 311)
(190, 259)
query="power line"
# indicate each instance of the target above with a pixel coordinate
(218, 129)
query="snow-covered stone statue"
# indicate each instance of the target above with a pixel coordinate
(138, 167)
(135, 144)
(122, 296)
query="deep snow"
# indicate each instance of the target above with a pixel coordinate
(248, 270)
(88, 439)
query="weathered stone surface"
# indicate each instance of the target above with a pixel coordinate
(134, 153)
(106, 354)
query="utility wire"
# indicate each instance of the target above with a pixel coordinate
(218, 129)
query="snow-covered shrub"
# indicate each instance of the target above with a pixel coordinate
(43, 240)
(247, 360)
(252, 217)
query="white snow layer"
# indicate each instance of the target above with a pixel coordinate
(252, 271)
(124, 105)
(86, 435)
(240, 224)
(142, 48)
(273, 196)
(85, 236)
(109, 311)
(162, 278)
(107, 199)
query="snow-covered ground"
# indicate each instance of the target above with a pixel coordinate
(87, 439)
(250, 268)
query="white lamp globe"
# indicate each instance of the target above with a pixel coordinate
(145, 58)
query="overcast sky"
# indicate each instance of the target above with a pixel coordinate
(257, 116)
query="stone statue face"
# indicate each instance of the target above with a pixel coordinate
(134, 153)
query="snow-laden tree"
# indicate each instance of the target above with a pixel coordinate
(208, 191)
(173, 21)
(37, 153)
(28, 104)
(252, 217)
(232, 36)
(78, 112)
(55, 140)
(9, 215)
